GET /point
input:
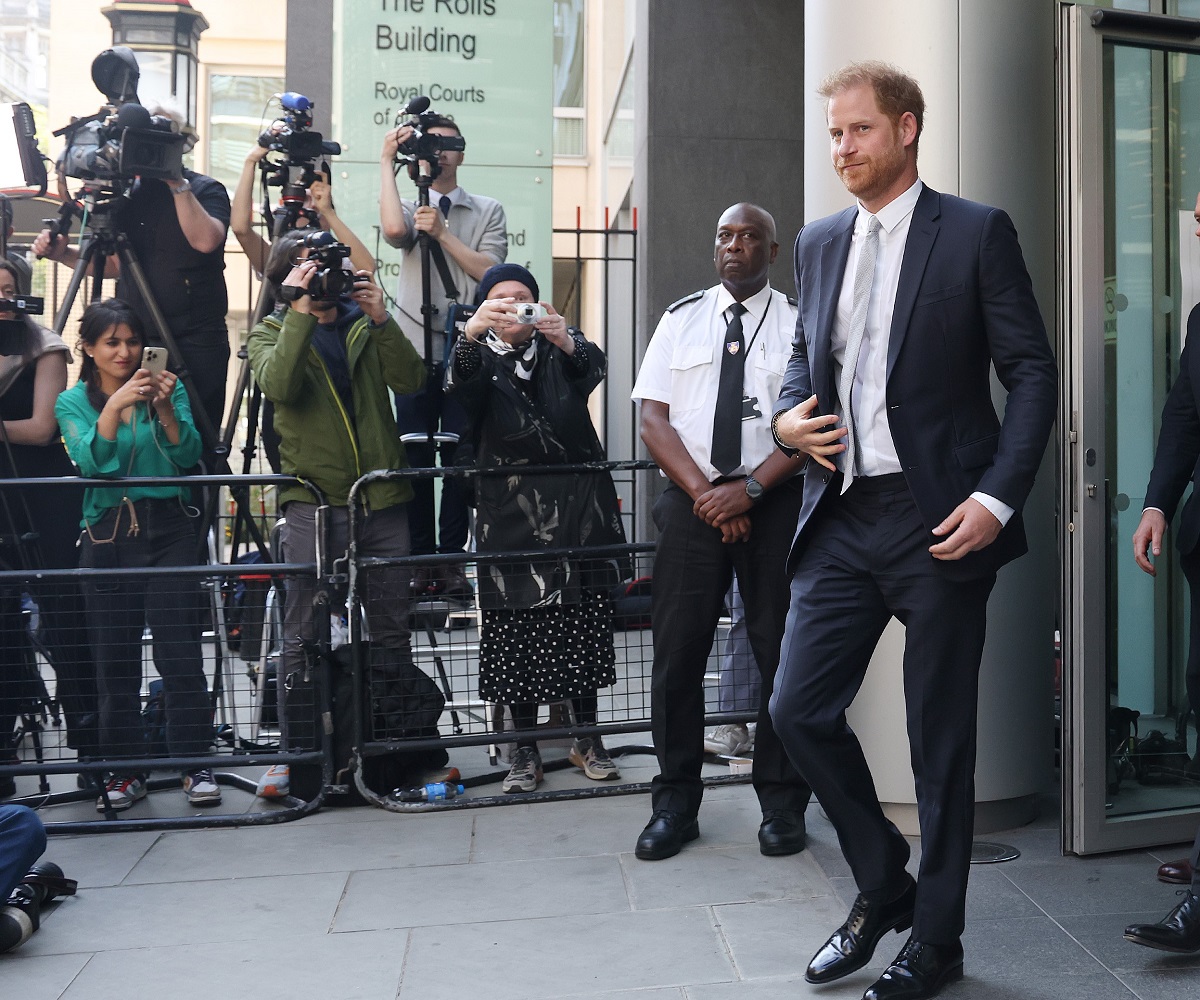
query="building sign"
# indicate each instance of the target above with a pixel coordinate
(488, 64)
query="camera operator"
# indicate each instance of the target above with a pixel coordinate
(470, 230)
(327, 361)
(39, 526)
(24, 886)
(318, 204)
(177, 231)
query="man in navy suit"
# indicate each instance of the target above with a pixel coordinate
(912, 496)
(1175, 465)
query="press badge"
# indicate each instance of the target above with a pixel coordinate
(750, 410)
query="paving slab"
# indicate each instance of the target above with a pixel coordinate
(1167, 984)
(1115, 883)
(777, 938)
(298, 848)
(699, 876)
(265, 910)
(535, 959)
(100, 859)
(512, 890)
(27, 976)
(1102, 935)
(279, 965)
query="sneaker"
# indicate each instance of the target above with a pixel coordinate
(201, 788)
(526, 771)
(589, 755)
(275, 783)
(730, 739)
(122, 791)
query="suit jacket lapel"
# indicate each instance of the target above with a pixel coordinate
(922, 232)
(834, 253)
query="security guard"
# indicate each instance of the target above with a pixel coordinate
(707, 389)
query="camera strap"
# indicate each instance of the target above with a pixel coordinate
(439, 259)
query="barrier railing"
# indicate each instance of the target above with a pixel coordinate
(242, 604)
(446, 646)
(73, 637)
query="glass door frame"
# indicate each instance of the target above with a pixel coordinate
(1084, 517)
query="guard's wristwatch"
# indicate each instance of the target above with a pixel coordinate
(754, 489)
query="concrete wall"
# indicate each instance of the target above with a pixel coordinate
(719, 119)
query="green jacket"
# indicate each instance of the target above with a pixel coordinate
(317, 441)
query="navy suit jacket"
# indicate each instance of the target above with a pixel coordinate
(964, 304)
(1178, 448)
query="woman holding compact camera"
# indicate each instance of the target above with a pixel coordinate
(38, 527)
(122, 420)
(524, 378)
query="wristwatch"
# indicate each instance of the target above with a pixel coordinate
(754, 489)
(184, 188)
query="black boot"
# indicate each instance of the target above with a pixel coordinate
(22, 914)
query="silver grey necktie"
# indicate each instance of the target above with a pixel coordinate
(864, 275)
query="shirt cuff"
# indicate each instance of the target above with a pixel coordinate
(1001, 511)
(1159, 509)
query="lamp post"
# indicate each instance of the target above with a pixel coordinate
(165, 35)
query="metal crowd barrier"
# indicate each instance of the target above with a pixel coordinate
(44, 680)
(446, 644)
(245, 724)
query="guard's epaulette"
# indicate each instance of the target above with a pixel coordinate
(684, 301)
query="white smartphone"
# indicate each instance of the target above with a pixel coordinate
(154, 359)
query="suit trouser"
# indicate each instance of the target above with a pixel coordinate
(1190, 564)
(692, 572)
(866, 561)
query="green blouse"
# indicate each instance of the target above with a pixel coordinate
(141, 449)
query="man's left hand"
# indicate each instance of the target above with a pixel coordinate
(723, 502)
(969, 528)
(369, 296)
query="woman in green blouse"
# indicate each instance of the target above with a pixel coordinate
(121, 420)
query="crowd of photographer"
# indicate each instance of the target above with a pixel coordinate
(352, 386)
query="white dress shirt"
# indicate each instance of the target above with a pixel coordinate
(876, 449)
(682, 368)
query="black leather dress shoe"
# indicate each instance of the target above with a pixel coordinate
(920, 971)
(1176, 872)
(782, 832)
(665, 835)
(853, 944)
(1178, 931)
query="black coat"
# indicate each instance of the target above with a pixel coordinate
(540, 421)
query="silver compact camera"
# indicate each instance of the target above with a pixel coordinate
(530, 312)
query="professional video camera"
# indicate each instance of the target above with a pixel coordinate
(425, 146)
(331, 279)
(122, 140)
(291, 135)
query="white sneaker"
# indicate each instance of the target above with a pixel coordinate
(275, 783)
(122, 791)
(201, 788)
(730, 739)
(590, 755)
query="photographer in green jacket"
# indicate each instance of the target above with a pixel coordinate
(327, 360)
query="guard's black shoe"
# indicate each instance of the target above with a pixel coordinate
(665, 835)
(782, 832)
(853, 944)
(919, 971)
(1178, 931)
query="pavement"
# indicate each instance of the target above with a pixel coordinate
(545, 899)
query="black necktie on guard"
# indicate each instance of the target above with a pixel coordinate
(727, 418)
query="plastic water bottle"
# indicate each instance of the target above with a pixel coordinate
(436, 791)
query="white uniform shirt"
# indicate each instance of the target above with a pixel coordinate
(682, 368)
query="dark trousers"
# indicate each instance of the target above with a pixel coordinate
(415, 414)
(692, 571)
(1190, 564)
(22, 841)
(119, 609)
(382, 534)
(866, 561)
